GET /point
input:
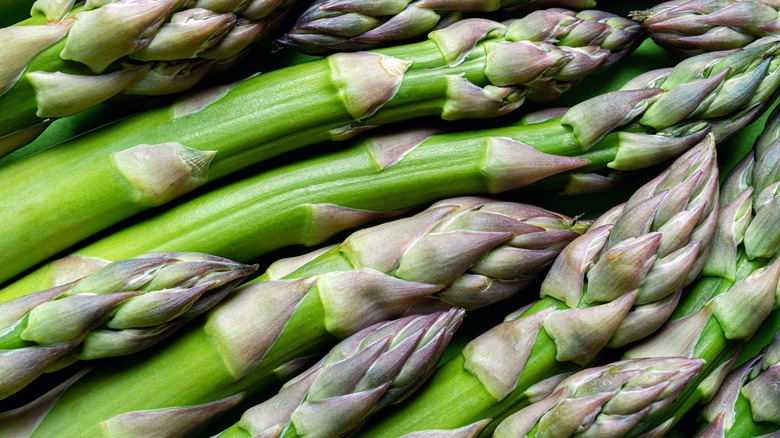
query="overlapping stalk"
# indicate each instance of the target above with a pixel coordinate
(307, 202)
(615, 284)
(739, 284)
(376, 367)
(692, 27)
(125, 307)
(337, 25)
(69, 57)
(475, 68)
(467, 251)
(747, 402)
(603, 402)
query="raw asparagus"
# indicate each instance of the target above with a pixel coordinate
(605, 401)
(467, 251)
(376, 367)
(739, 283)
(475, 68)
(692, 27)
(748, 400)
(615, 284)
(125, 307)
(335, 25)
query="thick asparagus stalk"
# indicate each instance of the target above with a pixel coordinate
(615, 284)
(376, 367)
(475, 68)
(738, 289)
(692, 27)
(282, 207)
(467, 251)
(125, 307)
(747, 402)
(69, 57)
(605, 401)
(336, 25)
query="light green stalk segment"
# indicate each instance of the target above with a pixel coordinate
(471, 69)
(243, 220)
(615, 284)
(464, 251)
(739, 287)
(747, 402)
(692, 27)
(123, 308)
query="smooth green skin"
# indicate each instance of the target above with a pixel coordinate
(745, 425)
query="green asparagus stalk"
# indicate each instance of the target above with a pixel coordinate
(125, 307)
(615, 284)
(64, 59)
(376, 367)
(467, 251)
(307, 202)
(350, 25)
(739, 283)
(605, 401)
(747, 402)
(475, 68)
(692, 27)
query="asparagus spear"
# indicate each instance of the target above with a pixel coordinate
(613, 285)
(307, 202)
(747, 402)
(692, 27)
(374, 368)
(336, 25)
(125, 307)
(466, 251)
(605, 401)
(475, 68)
(738, 288)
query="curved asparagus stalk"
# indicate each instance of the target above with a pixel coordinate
(605, 401)
(63, 60)
(335, 25)
(306, 203)
(475, 68)
(376, 367)
(747, 402)
(125, 307)
(739, 283)
(692, 27)
(466, 250)
(615, 284)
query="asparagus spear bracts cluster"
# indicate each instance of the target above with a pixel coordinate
(123, 308)
(466, 251)
(617, 283)
(334, 25)
(747, 402)
(67, 58)
(692, 27)
(641, 127)
(605, 401)
(475, 68)
(374, 368)
(739, 283)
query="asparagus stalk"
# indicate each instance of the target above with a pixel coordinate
(335, 25)
(747, 402)
(374, 368)
(738, 289)
(307, 202)
(475, 68)
(692, 27)
(125, 307)
(605, 401)
(466, 251)
(613, 285)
